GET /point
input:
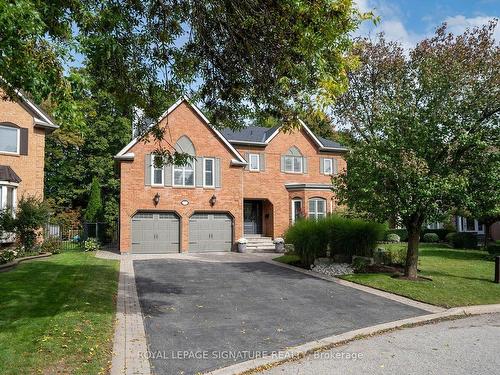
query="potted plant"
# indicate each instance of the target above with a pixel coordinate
(279, 245)
(242, 245)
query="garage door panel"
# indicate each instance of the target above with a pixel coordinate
(155, 233)
(210, 232)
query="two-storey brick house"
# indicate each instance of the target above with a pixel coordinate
(23, 128)
(253, 182)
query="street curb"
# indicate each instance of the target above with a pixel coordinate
(380, 293)
(331, 341)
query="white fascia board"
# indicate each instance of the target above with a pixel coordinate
(128, 156)
(37, 110)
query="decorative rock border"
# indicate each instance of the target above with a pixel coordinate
(8, 266)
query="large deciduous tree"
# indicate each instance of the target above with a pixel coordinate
(420, 124)
(255, 59)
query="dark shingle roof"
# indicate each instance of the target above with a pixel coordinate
(260, 134)
(329, 143)
(249, 133)
(8, 174)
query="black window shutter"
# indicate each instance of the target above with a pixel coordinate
(23, 142)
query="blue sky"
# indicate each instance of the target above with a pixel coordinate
(409, 21)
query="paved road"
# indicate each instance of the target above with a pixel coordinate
(201, 316)
(465, 346)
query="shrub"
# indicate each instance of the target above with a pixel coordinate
(91, 244)
(309, 239)
(398, 256)
(360, 264)
(441, 233)
(430, 237)
(51, 245)
(382, 256)
(7, 256)
(392, 237)
(402, 233)
(353, 236)
(31, 215)
(493, 248)
(464, 240)
(449, 237)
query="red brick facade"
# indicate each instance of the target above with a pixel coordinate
(237, 182)
(30, 167)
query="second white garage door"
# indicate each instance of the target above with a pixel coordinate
(210, 232)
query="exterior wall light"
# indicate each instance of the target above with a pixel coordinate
(212, 200)
(156, 199)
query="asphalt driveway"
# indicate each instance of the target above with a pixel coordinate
(200, 316)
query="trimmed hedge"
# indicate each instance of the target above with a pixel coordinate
(464, 240)
(402, 233)
(430, 237)
(392, 237)
(343, 236)
(440, 232)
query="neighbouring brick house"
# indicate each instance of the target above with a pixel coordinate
(250, 183)
(23, 127)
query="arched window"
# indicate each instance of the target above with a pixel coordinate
(184, 175)
(293, 161)
(185, 145)
(317, 208)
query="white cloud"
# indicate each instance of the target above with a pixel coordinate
(459, 23)
(392, 24)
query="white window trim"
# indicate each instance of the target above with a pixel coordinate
(3, 196)
(153, 156)
(18, 135)
(293, 208)
(331, 167)
(293, 157)
(463, 226)
(315, 200)
(183, 176)
(250, 162)
(205, 174)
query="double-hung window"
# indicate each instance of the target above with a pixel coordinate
(184, 175)
(208, 172)
(7, 197)
(328, 166)
(317, 208)
(254, 162)
(157, 173)
(293, 164)
(9, 139)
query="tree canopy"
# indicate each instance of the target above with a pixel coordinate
(90, 63)
(420, 124)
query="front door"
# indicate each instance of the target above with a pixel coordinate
(296, 209)
(252, 217)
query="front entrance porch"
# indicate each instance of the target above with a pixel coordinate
(257, 217)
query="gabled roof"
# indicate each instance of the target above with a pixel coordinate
(125, 155)
(261, 136)
(41, 118)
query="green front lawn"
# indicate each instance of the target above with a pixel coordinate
(459, 278)
(57, 314)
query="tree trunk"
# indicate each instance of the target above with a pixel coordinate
(414, 228)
